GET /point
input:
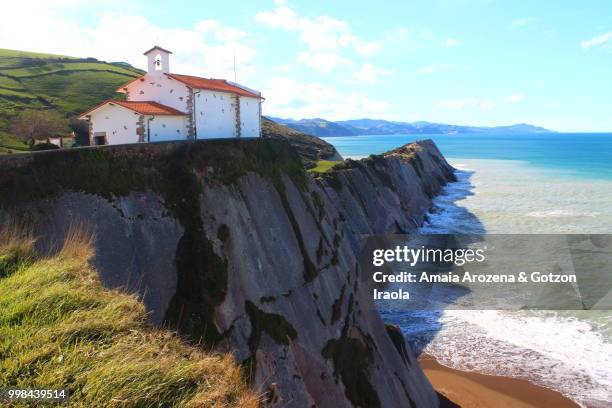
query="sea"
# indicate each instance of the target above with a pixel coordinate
(551, 183)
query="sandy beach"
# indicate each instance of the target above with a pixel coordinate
(472, 390)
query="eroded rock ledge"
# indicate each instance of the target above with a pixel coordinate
(236, 247)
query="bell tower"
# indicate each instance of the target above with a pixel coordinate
(158, 60)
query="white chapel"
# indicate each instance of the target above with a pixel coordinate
(161, 106)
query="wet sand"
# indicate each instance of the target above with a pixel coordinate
(472, 390)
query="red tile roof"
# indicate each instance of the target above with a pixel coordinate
(149, 108)
(220, 85)
(142, 107)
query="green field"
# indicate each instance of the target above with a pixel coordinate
(65, 84)
(28, 54)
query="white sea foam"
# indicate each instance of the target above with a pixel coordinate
(562, 213)
(561, 353)
(570, 352)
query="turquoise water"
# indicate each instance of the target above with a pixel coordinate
(548, 184)
(581, 154)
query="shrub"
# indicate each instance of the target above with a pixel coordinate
(43, 146)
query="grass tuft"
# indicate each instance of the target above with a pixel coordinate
(60, 328)
(323, 166)
(78, 243)
(16, 246)
(15, 236)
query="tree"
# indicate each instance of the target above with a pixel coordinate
(81, 131)
(32, 125)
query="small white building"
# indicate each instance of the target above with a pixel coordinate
(161, 106)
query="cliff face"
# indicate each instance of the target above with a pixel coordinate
(233, 245)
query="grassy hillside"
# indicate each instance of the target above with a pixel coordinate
(310, 148)
(60, 328)
(45, 81)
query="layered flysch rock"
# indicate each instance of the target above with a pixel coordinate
(310, 148)
(234, 246)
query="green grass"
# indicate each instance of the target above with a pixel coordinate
(9, 142)
(74, 92)
(9, 83)
(60, 328)
(55, 82)
(8, 93)
(50, 67)
(323, 166)
(28, 54)
(11, 145)
(4, 150)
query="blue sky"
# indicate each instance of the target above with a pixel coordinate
(479, 62)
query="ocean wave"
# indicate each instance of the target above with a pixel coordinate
(570, 352)
(446, 215)
(562, 213)
(562, 353)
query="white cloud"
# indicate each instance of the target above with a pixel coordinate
(207, 48)
(323, 61)
(451, 42)
(325, 37)
(599, 40)
(520, 22)
(370, 73)
(284, 68)
(467, 103)
(486, 104)
(40, 35)
(430, 69)
(515, 98)
(282, 17)
(478, 103)
(363, 48)
(289, 98)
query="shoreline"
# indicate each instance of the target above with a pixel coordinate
(468, 389)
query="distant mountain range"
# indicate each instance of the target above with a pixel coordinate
(322, 128)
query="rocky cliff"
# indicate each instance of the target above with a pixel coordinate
(232, 244)
(310, 148)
